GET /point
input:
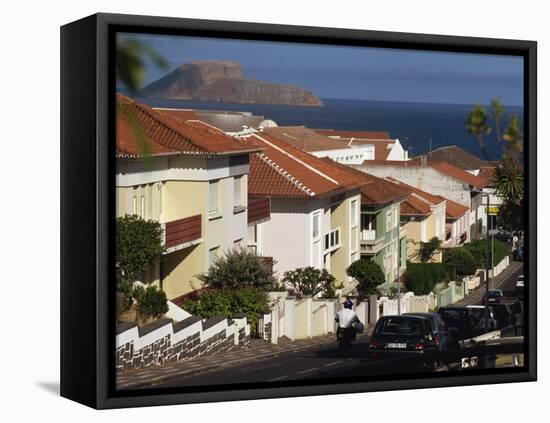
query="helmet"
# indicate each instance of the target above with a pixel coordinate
(348, 304)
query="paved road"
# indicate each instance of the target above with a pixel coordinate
(317, 361)
(310, 363)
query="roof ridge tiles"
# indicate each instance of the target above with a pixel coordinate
(285, 174)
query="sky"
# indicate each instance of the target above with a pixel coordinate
(355, 73)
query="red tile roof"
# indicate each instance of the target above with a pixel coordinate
(453, 210)
(378, 192)
(182, 115)
(282, 170)
(414, 206)
(164, 134)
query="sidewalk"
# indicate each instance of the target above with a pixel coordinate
(258, 350)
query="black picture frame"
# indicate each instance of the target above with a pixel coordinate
(87, 206)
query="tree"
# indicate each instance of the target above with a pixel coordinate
(513, 139)
(238, 268)
(138, 246)
(426, 250)
(476, 124)
(310, 281)
(369, 276)
(151, 302)
(460, 260)
(497, 110)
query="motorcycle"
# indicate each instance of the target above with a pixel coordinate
(346, 336)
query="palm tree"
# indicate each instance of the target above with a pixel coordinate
(476, 124)
(513, 138)
(497, 110)
(509, 183)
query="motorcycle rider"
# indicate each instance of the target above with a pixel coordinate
(346, 317)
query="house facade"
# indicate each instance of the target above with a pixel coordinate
(192, 180)
(315, 209)
(439, 178)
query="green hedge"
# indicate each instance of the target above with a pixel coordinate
(478, 250)
(249, 301)
(421, 278)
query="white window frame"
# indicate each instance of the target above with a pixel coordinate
(332, 245)
(317, 215)
(353, 216)
(213, 212)
(210, 259)
(389, 220)
(238, 191)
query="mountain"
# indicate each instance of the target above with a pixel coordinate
(222, 81)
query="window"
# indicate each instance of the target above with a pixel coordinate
(238, 243)
(237, 191)
(389, 220)
(353, 213)
(134, 204)
(316, 225)
(213, 198)
(353, 257)
(332, 239)
(142, 207)
(212, 254)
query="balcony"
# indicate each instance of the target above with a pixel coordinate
(182, 233)
(369, 243)
(259, 210)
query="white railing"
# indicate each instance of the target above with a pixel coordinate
(368, 235)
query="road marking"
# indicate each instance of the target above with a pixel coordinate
(334, 363)
(313, 369)
(278, 378)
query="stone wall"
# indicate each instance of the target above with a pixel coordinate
(162, 341)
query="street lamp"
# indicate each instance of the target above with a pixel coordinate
(487, 249)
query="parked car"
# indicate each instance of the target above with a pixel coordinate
(493, 295)
(438, 328)
(477, 314)
(404, 334)
(505, 236)
(520, 283)
(460, 323)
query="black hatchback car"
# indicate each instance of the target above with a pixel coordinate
(405, 334)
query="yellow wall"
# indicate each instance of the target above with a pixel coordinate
(183, 199)
(414, 236)
(180, 270)
(340, 259)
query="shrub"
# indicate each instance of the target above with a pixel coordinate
(460, 261)
(310, 281)
(249, 301)
(238, 268)
(369, 276)
(478, 249)
(421, 278)
(150, 302)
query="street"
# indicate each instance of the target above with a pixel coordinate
(322, 361)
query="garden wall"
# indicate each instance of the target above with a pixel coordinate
(164, 341)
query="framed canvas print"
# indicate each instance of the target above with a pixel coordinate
(259, 211)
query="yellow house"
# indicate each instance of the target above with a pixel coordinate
(190, 177)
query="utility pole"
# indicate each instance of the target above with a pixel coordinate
(398, 273)
(487, 249)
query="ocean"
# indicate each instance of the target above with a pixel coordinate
(418, 126)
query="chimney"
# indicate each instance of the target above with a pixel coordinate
(423, 160)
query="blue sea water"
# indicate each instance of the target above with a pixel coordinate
(419, 126)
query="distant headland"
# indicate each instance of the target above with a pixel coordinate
(223, 82)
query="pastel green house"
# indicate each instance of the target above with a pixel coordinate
(382, 238)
